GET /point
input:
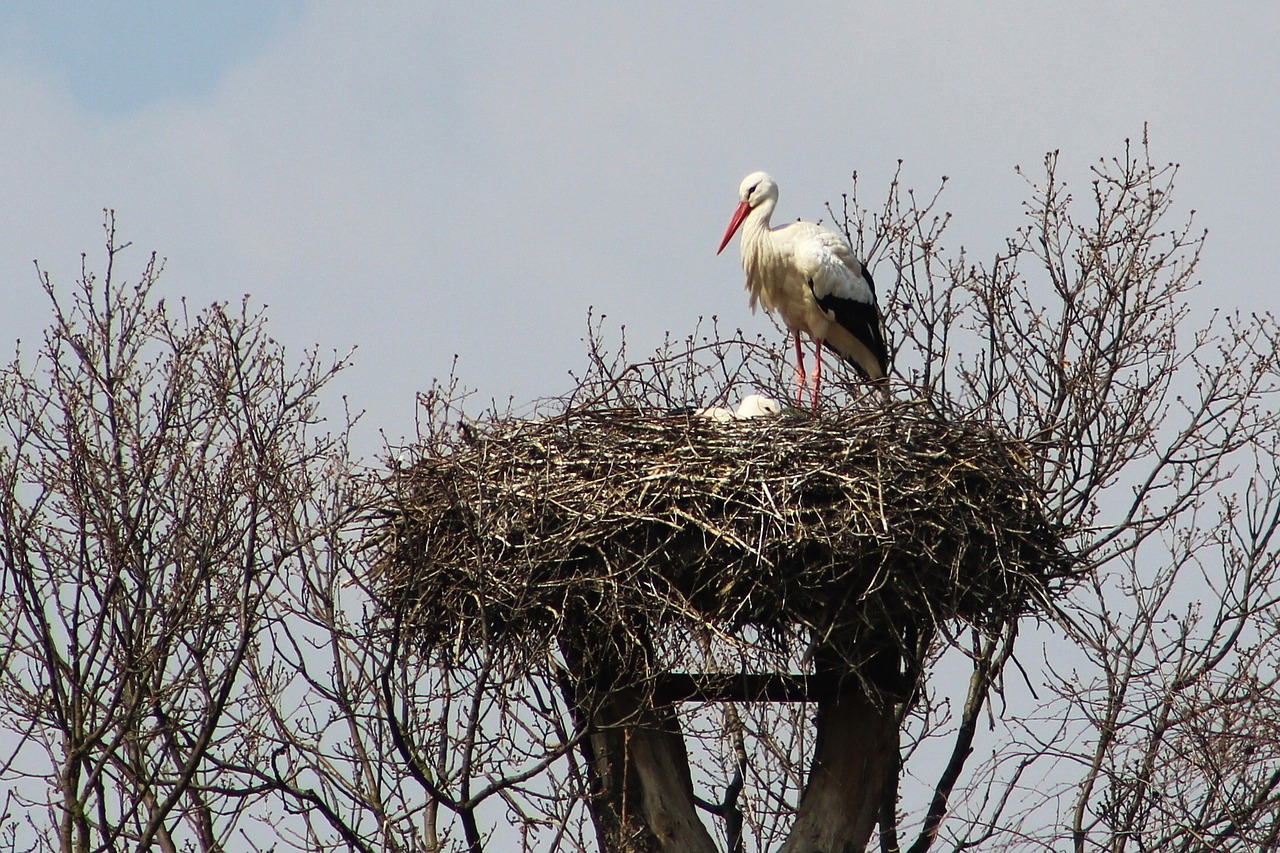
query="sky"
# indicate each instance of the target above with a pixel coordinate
(425, 180)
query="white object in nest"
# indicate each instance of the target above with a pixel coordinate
(752, 406)
(757, 406)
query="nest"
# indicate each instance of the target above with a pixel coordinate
(518, 534)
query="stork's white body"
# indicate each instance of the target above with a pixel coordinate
(809, 277)
(719, 414)
(757, 406)
(751, 406)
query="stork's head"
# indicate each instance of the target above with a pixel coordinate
(756, 189)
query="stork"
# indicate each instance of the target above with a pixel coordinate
(810, 277)
(751, 406)
(757, 406)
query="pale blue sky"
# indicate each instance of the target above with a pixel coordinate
(429, 179)
(117, 57)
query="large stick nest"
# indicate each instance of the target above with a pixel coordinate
(517, 533)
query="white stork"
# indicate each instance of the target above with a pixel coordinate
(809, 276)
(751, 406)
(757, 406)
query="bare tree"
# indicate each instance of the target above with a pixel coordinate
(191, 659)
(1028, 605)
(1154, 428)
(154, 467)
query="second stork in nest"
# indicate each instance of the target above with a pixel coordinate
(809, 276)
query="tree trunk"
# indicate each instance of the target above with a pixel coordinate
(643, 793)
(852, 758)
(641, 790)
(655, 748)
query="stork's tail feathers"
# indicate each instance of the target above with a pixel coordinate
(871, 364)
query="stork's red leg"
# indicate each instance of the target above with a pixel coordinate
(817, 371)
(800, 374)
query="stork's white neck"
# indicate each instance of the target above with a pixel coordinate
(758, 254)
(756, 227)
(758, 219)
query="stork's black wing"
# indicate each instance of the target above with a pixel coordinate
(861, 318)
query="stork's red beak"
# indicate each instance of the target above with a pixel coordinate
(738, 215)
